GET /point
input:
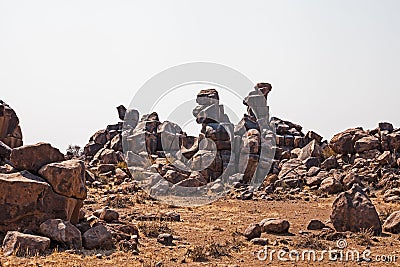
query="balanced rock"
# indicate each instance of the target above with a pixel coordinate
(67, 178)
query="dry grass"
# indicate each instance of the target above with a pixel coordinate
(154, 228)
(364, 237)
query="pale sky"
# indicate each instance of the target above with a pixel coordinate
(66, 65)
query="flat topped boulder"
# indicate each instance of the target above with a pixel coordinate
(33, 157)
(27, 200)
(207, 97)
(67, 178)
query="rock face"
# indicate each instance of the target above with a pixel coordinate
(33, 157)
(10, 131)
(27, 200)
(63, 232)
(24, 244)
(67, 178)
(392, 223)
(353, 211)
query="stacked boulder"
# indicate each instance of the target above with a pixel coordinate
(254, 144)
(10, 131)
(38, 185)
(217, 128)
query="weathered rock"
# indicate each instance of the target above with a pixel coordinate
(106, 156)
(350, 179)
(175, 177)
(385, 158)
(10, 131)
(353, 211)
(317, 179)
(329, 163)
(63, 232)
(27, 200)
(24, 244)
(311, 150)
(292, 169)
(331, 186)
(109, 215)
(207, 97)
(312, 162)
(394, 141)
(343, 143)
(315, 225)
(67, 178)
(253, 231)
(386, 126)
(367, 143)
(392, 223)
(275, 226)
(97, 237)
(121, 112)
(33, 157)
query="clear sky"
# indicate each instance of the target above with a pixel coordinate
(66, 65)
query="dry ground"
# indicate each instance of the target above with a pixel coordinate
(211, 235)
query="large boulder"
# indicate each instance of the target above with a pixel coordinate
(67, 178)
(366, 144)
(27, 200)
(353, 211)
(33, 157)
(24, 244)
(63, 232)
(10, 131)
(343, 143)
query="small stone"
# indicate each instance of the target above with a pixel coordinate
(165, 239)
(260, 241)
(109, 215)
(315, 225)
